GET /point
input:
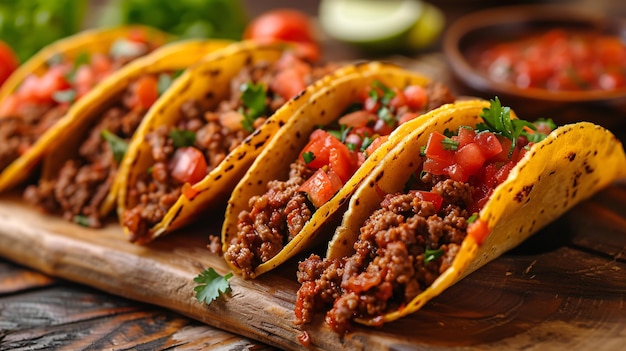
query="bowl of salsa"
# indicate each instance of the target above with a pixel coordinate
(541, 53)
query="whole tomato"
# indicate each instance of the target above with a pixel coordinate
(8, 62)
(285, 25)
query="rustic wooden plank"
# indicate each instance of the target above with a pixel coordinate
(14, 278)
(551, 291)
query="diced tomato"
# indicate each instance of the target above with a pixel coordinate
(146, 90)
(84, 80)
(8, 61)
(503, 156)
(357, 119)
(138, 35)
(51, 82)
(435, 150)
(489, 144)
(371, 105)
(436, 167)
(188, 165)
(318, 149)
(478, 230)
(416, 97)
(399, 100)
(504, 171)
(319, 188)
(382, 127)
(375, 144)
(465, 136)
(288, 83)
(431, 197)
(470, 159)
(189, 191)
(407, 117)
(341, 162)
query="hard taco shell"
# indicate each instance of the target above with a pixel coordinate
(208, 82)
(326, 102)
(569, 166)
(91, 41)
(71, 134)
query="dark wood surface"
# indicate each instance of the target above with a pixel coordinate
(564, 288)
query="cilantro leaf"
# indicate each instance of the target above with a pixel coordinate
(81, 220)
(182, 138)
(308, 157)
(210, 285)
(431, 255)
(385, 114)
(253, 101)
(388, 93)
(117, 144)
(449, 144)
(164, 81)
(498, 120)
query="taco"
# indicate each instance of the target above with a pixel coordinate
(79, 168)
(456, 193)
(40, 92)
(191, 151)
(315, 162)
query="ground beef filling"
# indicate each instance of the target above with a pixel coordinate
(273, 220)
(155, 192)
(388, 268)
(84, 181)
(269, 225)
(19, 133)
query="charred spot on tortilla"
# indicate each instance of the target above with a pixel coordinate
(215, 72)
(323, 112)
(280, 123)
(259, 182)
(242, 156)
(588, 168)
(298, 135)
(379, 176)
(524, 193)
(260, 144)
(209, 96)
(300, 94)
(218, 177)
(552, 172)
(357, 202)
(571, 156)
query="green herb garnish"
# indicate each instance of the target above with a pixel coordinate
(498, 120)
(211, 285)
(472, 218)
(182, 138)
(449, 144)
(388, 93)
(64, 95)
(431, 255)
(308, 157)
(367, 141)
(385, 114)
(163, 82)
(423, 150)
(81, 220)
(253, 100)
(117, 144)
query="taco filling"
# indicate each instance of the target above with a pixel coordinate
(415, 235)
(326, 163)
(84, 181)
(40, 101)
(184, 153)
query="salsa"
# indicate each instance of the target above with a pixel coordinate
(557, 60)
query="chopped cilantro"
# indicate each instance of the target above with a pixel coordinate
(117, 144)
(367, 141)
(211, 285)
(472, 218)
(308, 157)
(61, 96)
(385, 114)
(447, 132)
(182, 138)
(253, 100)
(351, 146)
(449, 144)
(164, 81)
(388, 93)
(431, 255)
(81, 220)
(498, 120)
(423, 150)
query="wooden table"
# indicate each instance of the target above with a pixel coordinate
(564, 288)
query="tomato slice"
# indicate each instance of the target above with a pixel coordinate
(489, 144)
(470, 159)
(415, 96)
(188, 165)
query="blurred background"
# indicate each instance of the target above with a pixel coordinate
(28, 25)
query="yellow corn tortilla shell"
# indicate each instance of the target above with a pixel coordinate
(207, 82)
(92, 41)
(326, 103)
(169, 58)
(571, 164)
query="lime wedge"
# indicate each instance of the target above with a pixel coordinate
(381, 25)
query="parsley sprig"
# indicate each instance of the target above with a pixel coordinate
(498, 120)
(210, 285)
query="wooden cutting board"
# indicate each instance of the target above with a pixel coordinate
(563, 288)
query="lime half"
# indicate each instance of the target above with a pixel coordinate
(381, 25)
